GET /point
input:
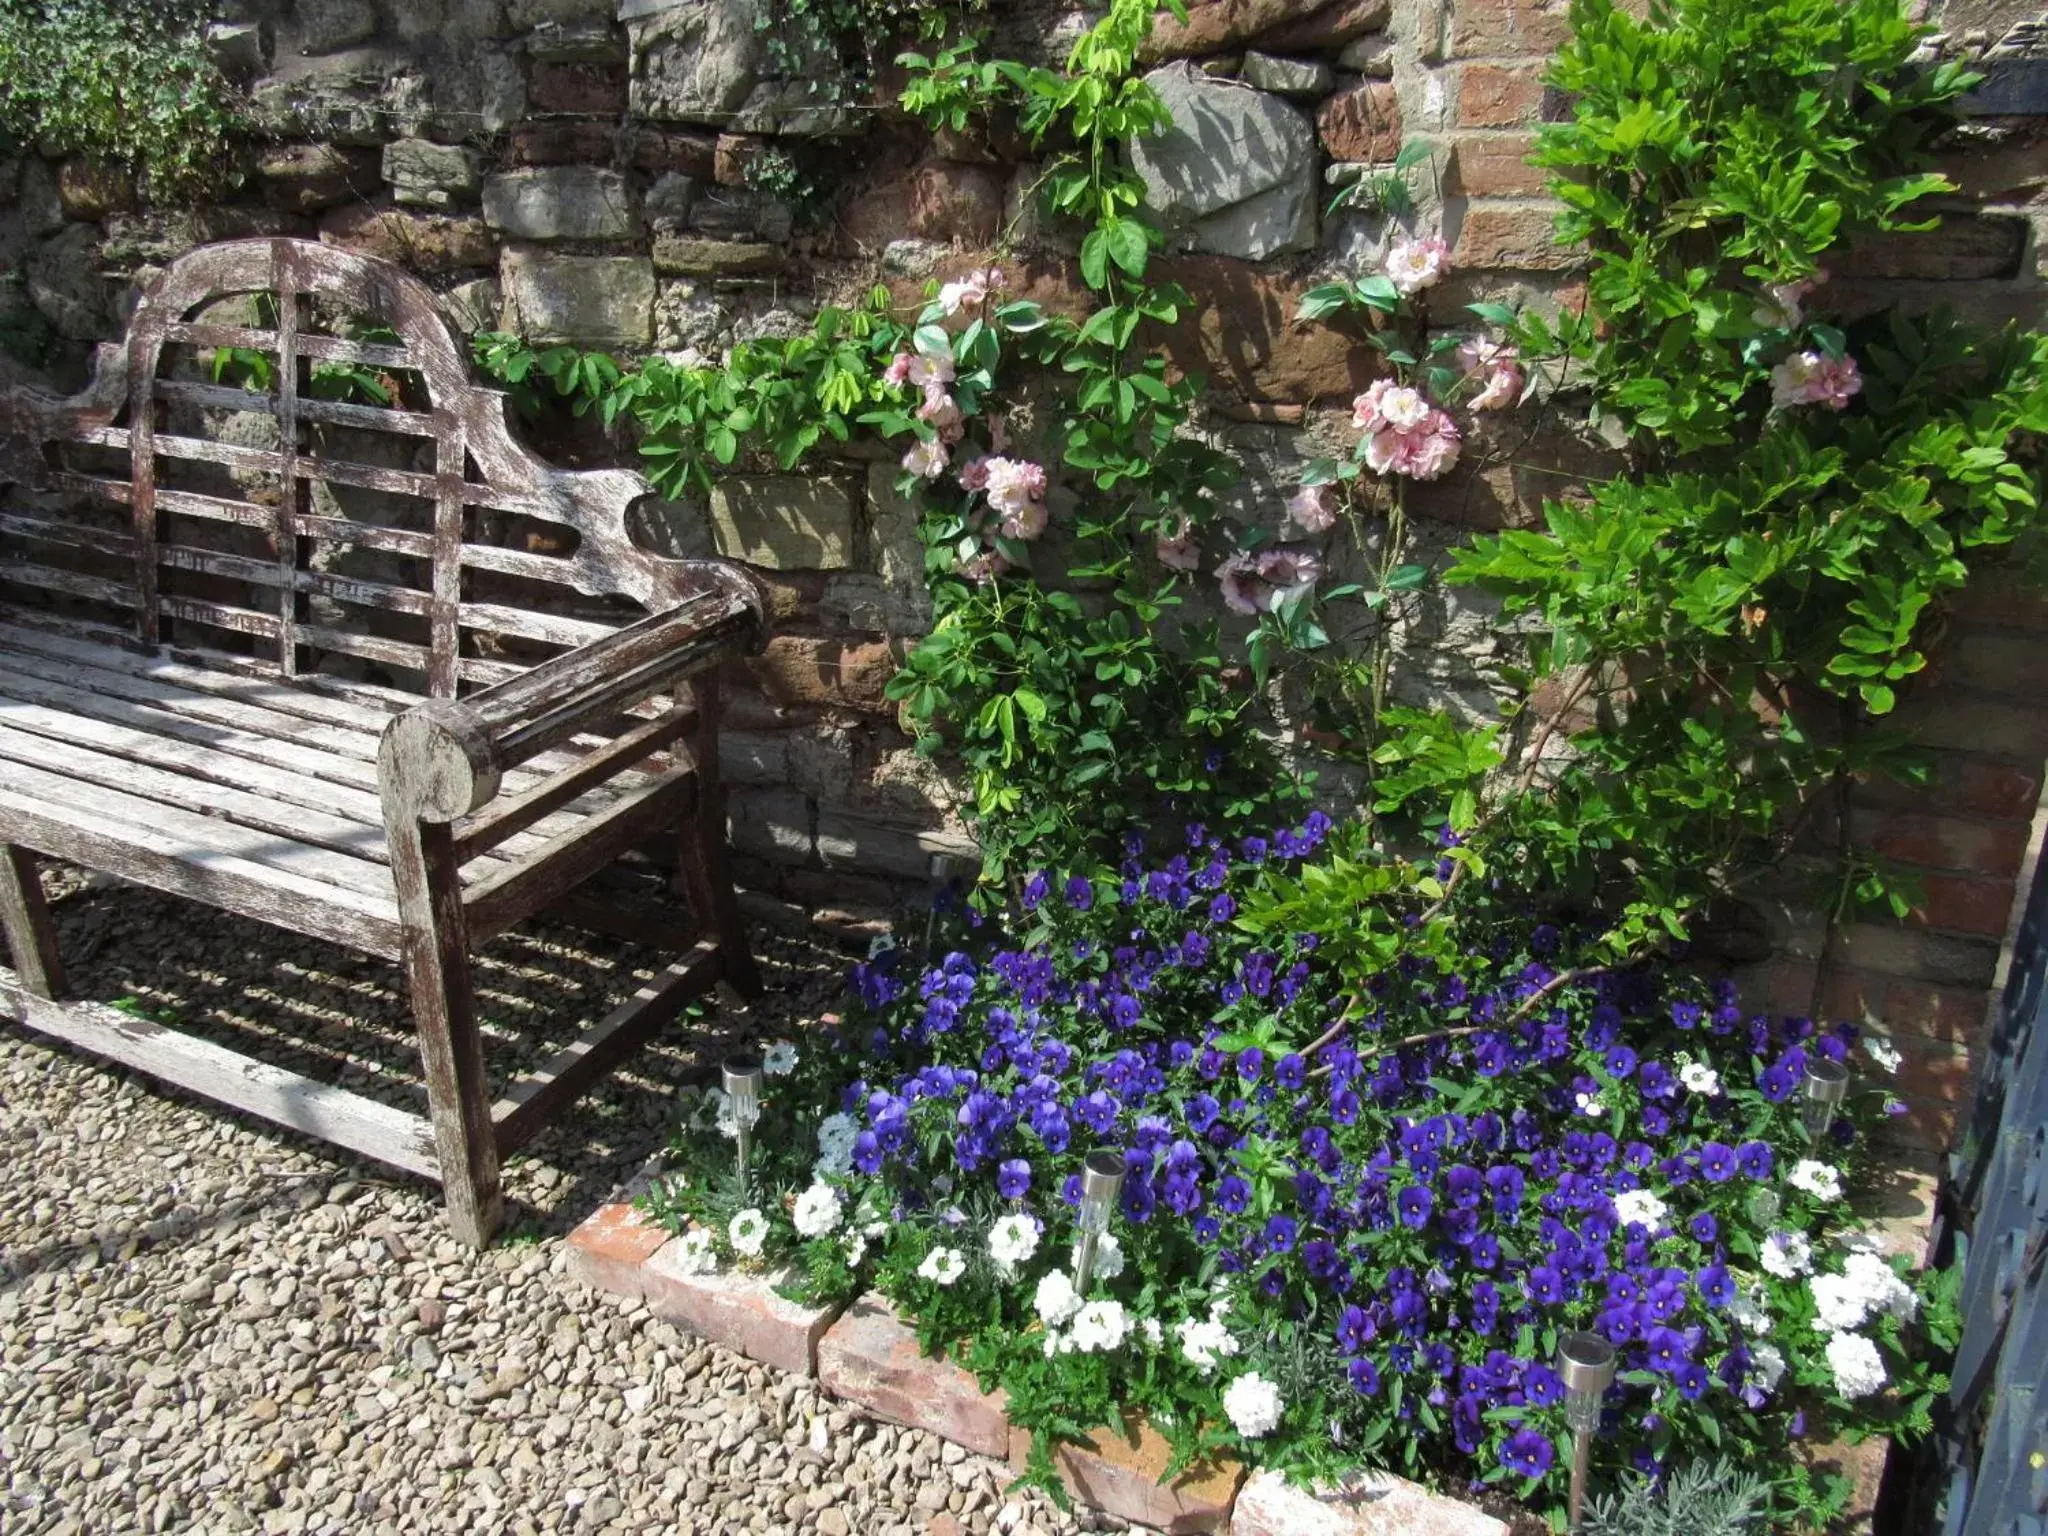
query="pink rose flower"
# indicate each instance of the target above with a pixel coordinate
(984, 567)
(1177, 551)
(970, 290)
(1026, 522)
(1413, 265)
(926, 458)
(931, 364)
(1814, 378)
(1312, 510)
(1289, 570)
(974, 473)
(941, 411)
(898, 371)
(1496, 365)
(1014, 482)
(1244, 591)
(1389, 405)
(1425, 452)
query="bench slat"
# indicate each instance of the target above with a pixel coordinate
(98, 589)
(276, 1094)
(142, 808)
(151, 853)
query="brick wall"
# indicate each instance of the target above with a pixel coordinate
(587, 170)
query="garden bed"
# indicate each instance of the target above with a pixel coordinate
(863, 1353)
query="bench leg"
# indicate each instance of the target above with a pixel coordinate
(707, 878)
(25, 917)
(444, 1009)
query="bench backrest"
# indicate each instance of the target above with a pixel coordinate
(415, 544)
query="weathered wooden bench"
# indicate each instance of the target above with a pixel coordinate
(367, 671)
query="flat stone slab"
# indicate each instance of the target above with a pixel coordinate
(1371, 1504)
(870, 1356)
(611, 1252)
(1119, 1472)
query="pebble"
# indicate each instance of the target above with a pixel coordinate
(209, 1324)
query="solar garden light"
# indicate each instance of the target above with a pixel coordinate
(1585, 1362)
(1102, 1177)
(742, 1073)
(1827, 1084)
(1764, 1206)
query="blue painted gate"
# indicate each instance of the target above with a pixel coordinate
(1992, 1477)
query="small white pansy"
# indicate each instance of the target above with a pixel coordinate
(779, 1060)
(1700, 1078)
(1254, 1405)
(1013, 1240)
(942, 1266)
(1820, 1180)
(697, 1252)
(1769, 1361)
(747, 1232)
(1640, 1207)
(818, 1211)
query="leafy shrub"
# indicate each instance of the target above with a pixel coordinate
(121, 82)
(1346, 1234)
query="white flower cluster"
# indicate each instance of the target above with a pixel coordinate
(1858, 1367)
(836, 1136)
(1012, 1241)
(818, 1211)
(1100, 1326)
(1787, 1255)
(1820, 1180)
(1747, 1310)
(1639, 1206)
(1204, 1342)
(779, 1060)
(1770, 1365)
(1056, 1300)
(747, 1232)
(1867, 1287)
(696, 1252)
(1254, 1405)
(942, 1266)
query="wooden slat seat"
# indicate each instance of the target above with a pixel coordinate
(358, 697)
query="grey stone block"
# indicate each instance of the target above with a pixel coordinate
(561, 202)
(753, 757)
(601, 300)
(669, 201)
(771, 824)
(1288, 77)
(429, 175)
(328, 26)
(474, 306)
(785, 522)
(1227, 143)
(851, 842)
(527, 14)
(694, 61)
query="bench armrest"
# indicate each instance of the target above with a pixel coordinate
(444, 758)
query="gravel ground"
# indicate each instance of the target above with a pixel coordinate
(209, 1324)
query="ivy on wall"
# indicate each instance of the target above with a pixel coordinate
(125, 84)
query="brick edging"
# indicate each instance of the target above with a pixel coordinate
(863, 1353)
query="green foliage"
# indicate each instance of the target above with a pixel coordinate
(1716, 146)
(838, 46)
(123, 83)
(1700, 1498)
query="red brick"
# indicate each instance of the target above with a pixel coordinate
(1853, 996)
(1893, 949)
(1495, 166)
(1997, 661)
(583, 88)
(1362, 125)
(1496, 28)
(871, 1357)
(807, 669)
(1511, 237)
(1927, 1125)
(1944, 842)
(691, 151)
(957, 202)
(559, 143)
(1328, 27)
(614, 1241)
(1954, 1014)
(1790, 986)
(1997, 790)
(738, 1309)
(2005, 598)
(1928, 1069)
(735, 158)
(1962, 905)
(1500, 96)
(1365, 1504)
(1119, 1471)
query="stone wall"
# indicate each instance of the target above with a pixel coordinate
(592, 171)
